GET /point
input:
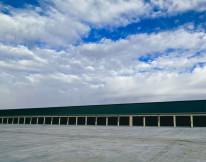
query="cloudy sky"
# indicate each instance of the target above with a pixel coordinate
(85, 52)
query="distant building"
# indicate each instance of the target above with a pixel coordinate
(175, 113)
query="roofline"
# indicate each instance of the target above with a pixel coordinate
(105, 104)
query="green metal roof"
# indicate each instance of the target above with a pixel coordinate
(174, 107)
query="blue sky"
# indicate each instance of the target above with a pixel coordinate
(62, 53)
(20, 3)
(148, 25)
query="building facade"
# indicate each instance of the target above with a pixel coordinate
(175, 113)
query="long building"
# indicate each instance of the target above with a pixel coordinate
(174, 113)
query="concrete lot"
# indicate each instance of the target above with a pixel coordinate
(90, 143)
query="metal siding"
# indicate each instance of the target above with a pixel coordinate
(138, 108)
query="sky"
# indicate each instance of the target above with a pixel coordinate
(89, 52)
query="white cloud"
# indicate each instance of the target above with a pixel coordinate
(30, 27)
(101, 13)
(122, 12)
(178, 6)
(61, 23)
(105, 72)
(34, 74)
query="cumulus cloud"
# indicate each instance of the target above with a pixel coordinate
(178, 6)
(32, 28)
(43, 61)
(128, 70)
(57, 24)
(123, 12)
(101, 13)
